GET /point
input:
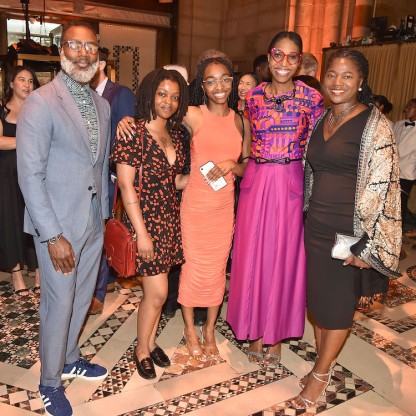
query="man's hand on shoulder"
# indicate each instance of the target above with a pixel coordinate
(61, 254)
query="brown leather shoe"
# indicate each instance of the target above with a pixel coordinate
(96, 307)
(111, 287)
(127, 282)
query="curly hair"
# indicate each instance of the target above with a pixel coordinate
(145, 97)
(365, 96)
(199, 97)
(11, 76)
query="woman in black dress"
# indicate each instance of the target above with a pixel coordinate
(16, 247)
(352, 188)
(162, 102)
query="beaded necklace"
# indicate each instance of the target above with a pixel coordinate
(335, 121)
(278, 101)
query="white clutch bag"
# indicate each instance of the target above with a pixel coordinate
(341, 249)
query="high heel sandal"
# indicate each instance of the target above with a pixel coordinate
(304, 379)
(196, 352)
(20, 292)
(215, 354)
(306, 403)
(272, 360)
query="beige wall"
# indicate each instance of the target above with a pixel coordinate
(244, 28)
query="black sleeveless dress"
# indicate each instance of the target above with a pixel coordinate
(334, 291)
(15, 245)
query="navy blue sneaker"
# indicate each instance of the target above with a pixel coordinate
(55, 401)
(85, 370)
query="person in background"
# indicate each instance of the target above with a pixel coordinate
(171, 304)
(16, 247)
(384, 105)
(405, 133)
(310, 81)
(121, 100)
(261, 68)
(352, 188)
(267, 285)
(247, 81)
(308, 66)
(63, 145)
(152, 208)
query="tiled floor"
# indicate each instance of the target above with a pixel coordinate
(375, 373)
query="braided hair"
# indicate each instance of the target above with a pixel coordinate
(199, 97)
(145, 97)
(365, 96)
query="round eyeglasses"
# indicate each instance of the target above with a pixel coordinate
(211, 82)
(76, 45)
(292, 58)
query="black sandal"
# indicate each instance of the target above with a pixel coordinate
(19, 292)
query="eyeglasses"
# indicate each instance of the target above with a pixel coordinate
(225, 82)
(291, 57)
(76, 45)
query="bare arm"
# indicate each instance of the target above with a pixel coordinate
(125, 178)
(226, 166)
(6, 143)
(180, 181)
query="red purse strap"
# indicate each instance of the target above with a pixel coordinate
(140, 180)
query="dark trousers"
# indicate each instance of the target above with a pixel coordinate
(406, 186)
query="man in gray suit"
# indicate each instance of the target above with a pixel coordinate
(62, 160)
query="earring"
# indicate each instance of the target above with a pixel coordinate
(360, 89)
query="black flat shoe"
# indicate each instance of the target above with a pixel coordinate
(145, 367)
(160, 358)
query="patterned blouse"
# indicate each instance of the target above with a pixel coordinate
(282, 125)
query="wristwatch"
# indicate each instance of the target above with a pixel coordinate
(55, 239)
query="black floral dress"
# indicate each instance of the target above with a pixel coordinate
(158, 201)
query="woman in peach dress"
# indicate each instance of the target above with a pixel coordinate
(207, 216)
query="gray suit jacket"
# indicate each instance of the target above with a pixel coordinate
(56, 169)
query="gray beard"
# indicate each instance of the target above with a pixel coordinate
(83, 76)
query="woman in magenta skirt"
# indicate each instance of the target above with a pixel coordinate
(267, 286)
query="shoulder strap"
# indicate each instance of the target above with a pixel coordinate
(242, 122)
(140, 179)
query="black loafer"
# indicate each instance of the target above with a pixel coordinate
(145, 367)
(160, 358)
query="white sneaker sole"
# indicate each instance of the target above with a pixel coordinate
(72, 376)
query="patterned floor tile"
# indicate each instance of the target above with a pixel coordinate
(398, 294)
(400, 326)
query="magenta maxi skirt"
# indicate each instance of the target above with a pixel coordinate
(268, 273)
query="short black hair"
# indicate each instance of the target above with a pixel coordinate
(382, 100)
(253, 75)
(293, 36)
(310, 81)
(76, 23)
(198, 95)
(260, 61)
(365, 96)
(145, 97)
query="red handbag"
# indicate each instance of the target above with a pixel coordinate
(119, 244)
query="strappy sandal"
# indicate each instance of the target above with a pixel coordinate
(195, 352)
(255, 357)
(20, 292)
(272, 360)
(300, 402)
(215, 354)
(36, 290)
(304, 379)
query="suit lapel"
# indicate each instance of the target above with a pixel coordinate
(70, 107)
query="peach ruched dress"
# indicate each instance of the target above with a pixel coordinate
(207, 216)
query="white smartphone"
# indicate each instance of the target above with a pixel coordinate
(219, 183)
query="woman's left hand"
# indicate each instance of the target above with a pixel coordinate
(356, 262)
(221, 169)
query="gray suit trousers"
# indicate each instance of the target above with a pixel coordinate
(65, 299)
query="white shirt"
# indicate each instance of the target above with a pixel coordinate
(100, 89)
(406, 146)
